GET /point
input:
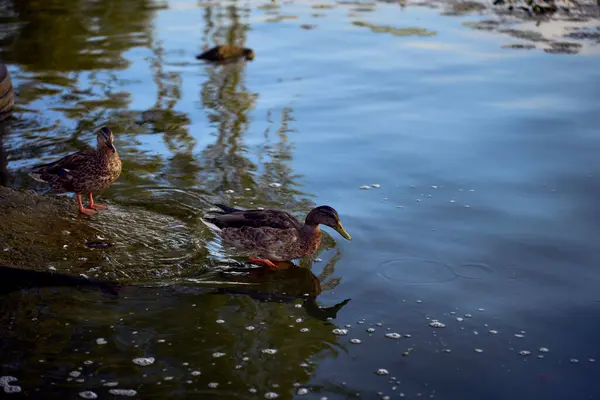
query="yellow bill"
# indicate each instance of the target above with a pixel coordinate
(340, 229)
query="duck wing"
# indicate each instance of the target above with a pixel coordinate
(234, 218)
(263, 242)
(60, 168)
(213, 54)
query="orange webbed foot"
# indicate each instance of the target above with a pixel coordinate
(87, 211)
(82, 209)
(264, 261)
(95, 206)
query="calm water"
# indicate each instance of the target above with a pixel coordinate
(486, 217)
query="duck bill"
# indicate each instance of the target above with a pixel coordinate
(111, 147)
(340, 229)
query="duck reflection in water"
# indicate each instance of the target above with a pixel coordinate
(287, 284)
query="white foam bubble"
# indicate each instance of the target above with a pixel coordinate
(123, 392)
(143, 361)
(340, 332)
(436, 324)
(8, 388)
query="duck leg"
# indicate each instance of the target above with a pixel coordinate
(83, 210)
(95, 206)
(264, 261)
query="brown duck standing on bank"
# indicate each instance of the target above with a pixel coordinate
(7, 101)
(269, 236)
(226, 53)
(86, 171)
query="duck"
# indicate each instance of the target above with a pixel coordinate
(87, 171)
(272, 236)
(223, 53)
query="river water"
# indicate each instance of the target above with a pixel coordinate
(472, 272)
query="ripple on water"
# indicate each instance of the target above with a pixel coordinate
(473, 270)
(415, 271)
(156, 242)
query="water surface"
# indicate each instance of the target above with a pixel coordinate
(486, 217)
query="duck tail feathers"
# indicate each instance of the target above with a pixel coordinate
(37, 176)
(226, 209)
(211, 223)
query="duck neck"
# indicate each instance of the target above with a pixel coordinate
(310, 233)
(310, 239)
(105, 152)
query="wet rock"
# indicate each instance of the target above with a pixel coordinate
(98, 245)
(32, 233)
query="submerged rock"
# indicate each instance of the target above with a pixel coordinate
(98, 247)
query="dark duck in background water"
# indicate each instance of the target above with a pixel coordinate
(226, 53)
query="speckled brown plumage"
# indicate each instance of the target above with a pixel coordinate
(87, 171)
(226, 53)
(273, 234)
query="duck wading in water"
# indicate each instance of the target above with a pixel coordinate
(83, 172)
(226, 53)
(269, 236)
